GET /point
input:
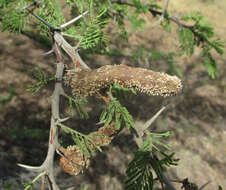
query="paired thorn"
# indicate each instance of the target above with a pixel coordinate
(73, 20)
(62, 120)
(31, 168)
(52, 27)
(101, 122)
(163, 15)
(47, 53)
(151, 120)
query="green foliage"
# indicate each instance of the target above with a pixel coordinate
(7, 186)
(136, 22)
(51, 12)
(84, 142)
(140, 7)
(13, 18)
(92, 31)
(7, 98)
(79, 104)
(42, 80)
(5, 3)
(153, 139)
(121, 92)
(166, 24)
(145, 162)
(211, 65)
(117, 113)
(139, 174)
(153, 4)
(187, 41)
(173, 68)
(85, 187)
(30, 186)
(199, 35)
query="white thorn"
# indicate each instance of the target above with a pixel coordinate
(47, 53)
(62, 120)
(31, 168)
(150, 121)
(101, 122)
(73, 20)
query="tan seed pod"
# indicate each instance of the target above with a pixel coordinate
(74, 160)
(104, 135)
(89, 82)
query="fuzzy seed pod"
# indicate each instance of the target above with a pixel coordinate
(89, 82)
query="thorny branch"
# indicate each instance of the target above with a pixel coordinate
(48, 164)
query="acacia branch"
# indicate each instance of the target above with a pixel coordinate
(48, 164)
(156, 12)
(71, 51)
(53, 136)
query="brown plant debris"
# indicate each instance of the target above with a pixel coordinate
(89, 82)
(75, 161)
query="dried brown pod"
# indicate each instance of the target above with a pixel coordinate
(74, 161)
(104, 135)
(89, 82)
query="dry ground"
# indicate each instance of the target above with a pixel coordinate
(196, 117)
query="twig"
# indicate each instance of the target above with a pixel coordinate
(40, 19)
(167, 182)
(151, 120)
(156, 12)
(48, 164)
(72, 52)
(163, 14)
(59, 39)
(204, 185)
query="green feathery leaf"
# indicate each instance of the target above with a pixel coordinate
(117, 113)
